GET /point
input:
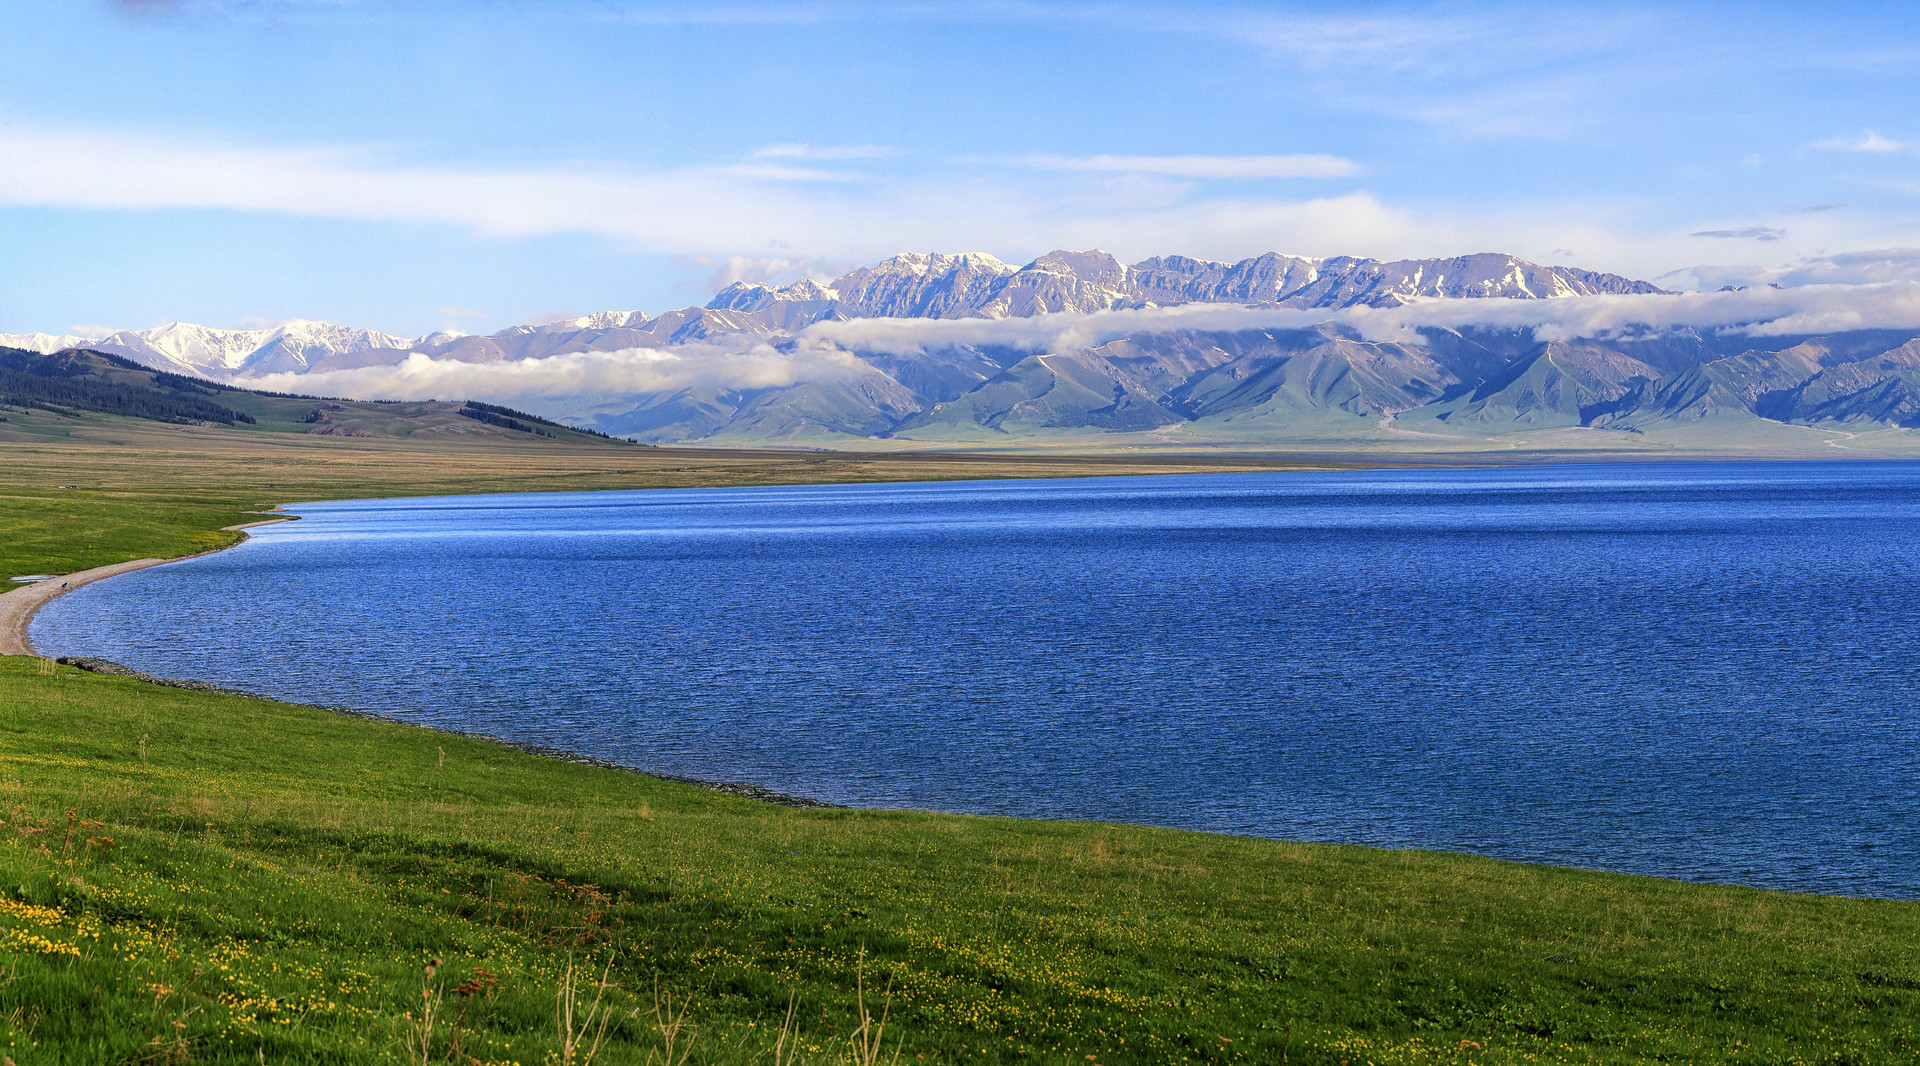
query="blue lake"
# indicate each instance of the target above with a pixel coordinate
(1705, 671)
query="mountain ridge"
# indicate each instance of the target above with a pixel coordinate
(1157, 382)
(909, 285)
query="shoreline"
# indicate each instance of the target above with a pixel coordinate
(19, 605)
(742, 789)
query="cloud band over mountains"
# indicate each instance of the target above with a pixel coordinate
(1755, 311)
(831, 348)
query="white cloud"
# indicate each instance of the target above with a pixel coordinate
(1760, 312)
(780, 172)
(762, 270)
(1535, 72)
(768, 210)
(629, 371)
(747, 209)
(830, 348)
(1205, 166)
(807, 150)
(1749, 233)
(1869, 141)
(1847, 268)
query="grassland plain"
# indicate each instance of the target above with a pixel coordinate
(189, 876)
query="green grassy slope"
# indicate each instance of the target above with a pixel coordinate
(195, 877)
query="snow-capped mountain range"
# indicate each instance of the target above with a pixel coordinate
(934, 348)
(911, 285)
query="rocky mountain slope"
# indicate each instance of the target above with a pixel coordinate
(914, 285)
(1276, 386)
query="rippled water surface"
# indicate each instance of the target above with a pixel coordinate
(1702, 671)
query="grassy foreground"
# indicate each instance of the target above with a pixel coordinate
(206, 878)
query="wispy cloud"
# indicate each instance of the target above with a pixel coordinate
(1748, 233)
(807, 150)
(779, 172)
(1529, 72)
(762, 270)
(227, 9)
(768, 210)
(1205, 166)
(749, 209)
(1848, 268)
(1868, 141)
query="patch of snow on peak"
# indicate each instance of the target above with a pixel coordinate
(43, 343)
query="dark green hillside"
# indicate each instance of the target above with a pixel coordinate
(44, 396)
(71, 381)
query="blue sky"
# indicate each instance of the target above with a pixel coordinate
(408, 166)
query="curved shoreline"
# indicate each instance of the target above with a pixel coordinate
(742, 789)
(18, 606)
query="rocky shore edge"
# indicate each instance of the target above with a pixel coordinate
(743, 789)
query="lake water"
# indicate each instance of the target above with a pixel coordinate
(1705, 671)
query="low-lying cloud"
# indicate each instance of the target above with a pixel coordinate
(573, 375)
(1765, 311)
(829, 349)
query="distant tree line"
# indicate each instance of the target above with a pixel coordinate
(508, 418)
(502, 417)
(28, 379)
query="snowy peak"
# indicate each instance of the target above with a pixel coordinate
(43, 343)
(908, 285)
(1176, 279)
(1477, 276)
(752, 296)
(599, 320)
(296, 346)
(186, 348)
(1062, 281)
(922, 285)
(976, 285)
